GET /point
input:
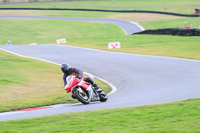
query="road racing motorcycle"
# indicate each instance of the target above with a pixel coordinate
(84, 91)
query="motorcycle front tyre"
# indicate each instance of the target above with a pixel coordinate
(79, 96)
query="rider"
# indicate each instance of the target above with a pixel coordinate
(75, 71)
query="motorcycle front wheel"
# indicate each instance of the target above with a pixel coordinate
(81, 95)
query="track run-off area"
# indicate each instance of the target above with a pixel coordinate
(139, 79)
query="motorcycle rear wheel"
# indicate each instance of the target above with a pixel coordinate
(103, 96)
(81, 95)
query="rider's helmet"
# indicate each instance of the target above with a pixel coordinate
(64, 68)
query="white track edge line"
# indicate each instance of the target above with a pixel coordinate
(138, 25)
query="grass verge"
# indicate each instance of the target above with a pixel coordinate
(26, 83)
(98, 35)
(175, 23)
(172, 117)
(26, 31)
(179, 6)
(160, 45)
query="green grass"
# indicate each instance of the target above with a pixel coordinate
(177, 23)
(19, 91)
(98, 35)
(48, 31)
(172, 117)
(180, 6)
(26, 83)
(163, 45)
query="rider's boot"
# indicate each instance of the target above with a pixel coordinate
(97, 88)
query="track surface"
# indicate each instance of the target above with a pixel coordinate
(140, 79)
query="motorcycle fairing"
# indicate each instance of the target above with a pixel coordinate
(73, 82)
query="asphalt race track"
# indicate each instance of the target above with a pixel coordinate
(140, 79)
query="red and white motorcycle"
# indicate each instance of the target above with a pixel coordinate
(83, 91)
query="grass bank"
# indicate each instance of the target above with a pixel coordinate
(136, 17)
(179, 6)
(96, 35)
(26, 83)
(172, 117)
(149, 21)
(174, 23)
(160, 45)
(26, 31)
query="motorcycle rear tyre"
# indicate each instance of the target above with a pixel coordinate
(103, 97)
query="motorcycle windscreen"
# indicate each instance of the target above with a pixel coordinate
(71, 84)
